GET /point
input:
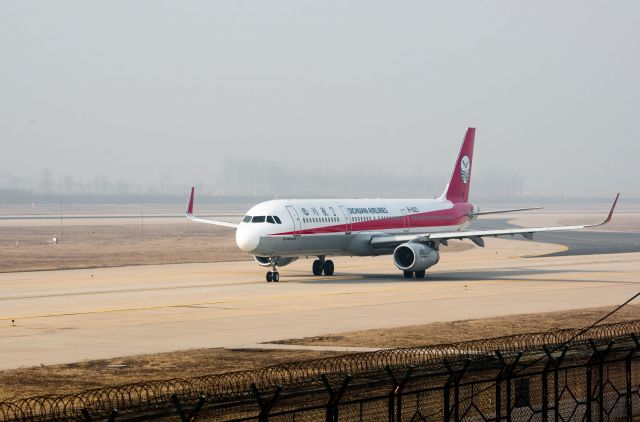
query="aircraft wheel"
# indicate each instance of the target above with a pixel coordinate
(269, 277)
(317, 267)
(276, 276)
(408, 274)
(420, 274)
(328, 267)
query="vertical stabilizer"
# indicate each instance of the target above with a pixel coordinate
(458, 188)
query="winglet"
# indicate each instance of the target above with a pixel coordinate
(613, 207)
(189, 211)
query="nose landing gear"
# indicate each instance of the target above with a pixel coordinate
(273, 275)
(321, 265)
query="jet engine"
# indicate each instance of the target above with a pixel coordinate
(415, 257)
(265, 261)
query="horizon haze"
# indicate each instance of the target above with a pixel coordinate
(334, 99)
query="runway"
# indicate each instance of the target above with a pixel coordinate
(71, 315)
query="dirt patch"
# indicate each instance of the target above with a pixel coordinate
(451, 332)
(61, 379)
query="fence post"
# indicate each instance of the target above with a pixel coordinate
(598, 356)
(190, 417)
(545, 384)
(455, 376)
(87, 416)
(555, 364)
(446, 395)
(505, 374)
(334, 397)
(556, 393)
(265, 405)
(628, 363)
(396, 393)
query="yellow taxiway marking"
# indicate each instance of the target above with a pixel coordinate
(149, 308)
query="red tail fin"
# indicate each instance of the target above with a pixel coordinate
(458, 188)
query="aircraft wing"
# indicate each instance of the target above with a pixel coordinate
(189, 214)
(503, 211)
(476, 236)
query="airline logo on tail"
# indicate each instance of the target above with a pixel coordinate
(465, 169)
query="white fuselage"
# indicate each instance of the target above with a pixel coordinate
(342, 226)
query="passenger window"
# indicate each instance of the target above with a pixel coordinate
(258, 219)
(270, 220)
(275, 217)
(247, 219)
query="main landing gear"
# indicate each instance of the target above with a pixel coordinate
(273, 275)
(321, 266)
(419, 274)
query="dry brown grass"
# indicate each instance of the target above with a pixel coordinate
(61, 379)
(451, 332)
(97, 245)
(113, 245)
(69, 378)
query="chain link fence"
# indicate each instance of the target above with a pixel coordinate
(561, 375)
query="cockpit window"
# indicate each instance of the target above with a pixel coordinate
(275, 217)
(270, 220)
(258, 219)
(246, 219)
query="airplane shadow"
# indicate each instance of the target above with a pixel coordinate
(528, 274)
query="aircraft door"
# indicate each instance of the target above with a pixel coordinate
(297, 227)
(405, 219)
(347, 218)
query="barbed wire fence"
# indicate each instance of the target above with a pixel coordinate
(568, 374)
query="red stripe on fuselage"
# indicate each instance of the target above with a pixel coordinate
(458, 214)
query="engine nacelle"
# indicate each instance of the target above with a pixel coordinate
(265, 261)
(415, 257)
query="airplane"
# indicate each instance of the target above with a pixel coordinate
(278, 232)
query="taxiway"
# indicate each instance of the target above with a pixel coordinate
(71, 315)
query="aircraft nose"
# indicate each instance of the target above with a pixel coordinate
(246, 239)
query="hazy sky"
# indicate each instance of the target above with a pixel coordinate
(150, 90)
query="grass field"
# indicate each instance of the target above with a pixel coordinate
(456, 331)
